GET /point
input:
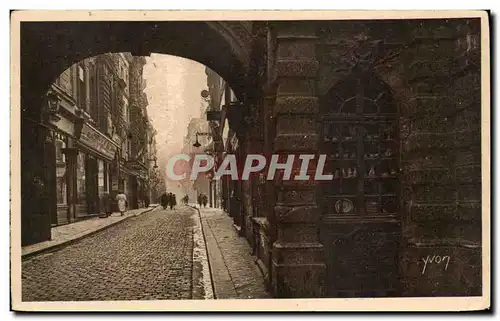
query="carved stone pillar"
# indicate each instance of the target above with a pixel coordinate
(298, 268)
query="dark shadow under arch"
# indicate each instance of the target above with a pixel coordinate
(49, 48)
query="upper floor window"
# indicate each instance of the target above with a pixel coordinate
(81, 88)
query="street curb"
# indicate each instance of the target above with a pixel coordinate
(59, 246)
(206, 249)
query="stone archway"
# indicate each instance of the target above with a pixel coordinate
(49, 48)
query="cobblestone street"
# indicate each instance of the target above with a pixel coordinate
(161, 254)
(148, 257)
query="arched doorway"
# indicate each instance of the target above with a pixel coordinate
(50, 48)
(361, 204)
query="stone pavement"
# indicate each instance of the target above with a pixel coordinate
(235, 274)
(148, 257)
(62, 235)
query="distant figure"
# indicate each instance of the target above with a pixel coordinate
(146, 201)
(205, 200)
(164, 200)
(172, 201)
(122, 202)
(107, 202)
(200, 200)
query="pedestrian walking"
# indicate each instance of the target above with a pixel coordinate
(205, 200)
(107, 202)
(122, 202)
(200, 200)
(173, 201)
(164, 200)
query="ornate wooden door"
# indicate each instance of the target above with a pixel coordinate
(360, 205)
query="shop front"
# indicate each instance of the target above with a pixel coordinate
(136, 183)
(95, 167)
(61, 141)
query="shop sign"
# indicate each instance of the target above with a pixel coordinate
(97, 141)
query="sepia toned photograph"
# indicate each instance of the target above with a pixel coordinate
(250, 161)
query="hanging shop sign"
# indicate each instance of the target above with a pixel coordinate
(92, 138)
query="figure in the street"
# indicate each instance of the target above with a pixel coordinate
(200, 200)
(122, 202)
(164, 200)
(205, 200)
(146, 201)
(173, 201)
(107, 202)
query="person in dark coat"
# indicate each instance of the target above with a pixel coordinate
(173, 201)
(107, 204)
(205, 200)
(164, 200)
(200, 200)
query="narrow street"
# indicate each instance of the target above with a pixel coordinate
(158, 255)
(145, 258)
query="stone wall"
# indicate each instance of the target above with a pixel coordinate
(433, 70)
(442, 119)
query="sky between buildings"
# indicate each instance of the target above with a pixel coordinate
(173, 87)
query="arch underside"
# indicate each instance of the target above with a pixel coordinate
(48, 48)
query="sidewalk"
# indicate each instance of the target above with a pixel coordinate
(235, 274)
(69, 233)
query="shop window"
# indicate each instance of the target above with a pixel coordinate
(106, 177)
(61, 185)
(101, 176)
(359, 135)
(80, 179)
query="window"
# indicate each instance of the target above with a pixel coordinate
(102, 177)
(360, 137)
(94, 105)
(80, 179)
(59, 154)
(109, 125)
(61, 185)
(82, 90)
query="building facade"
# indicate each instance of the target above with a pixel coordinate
(89, 141)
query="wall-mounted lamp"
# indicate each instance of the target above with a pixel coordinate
(53, 105)
(197, 143)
